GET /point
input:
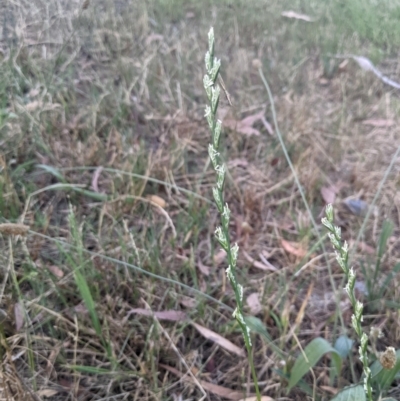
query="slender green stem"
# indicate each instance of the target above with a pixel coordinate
(222, 232)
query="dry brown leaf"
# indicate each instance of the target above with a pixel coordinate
(212, 388)
(223, 112)
(157, 200)
(247, 228)
(238, 163)
(342, 66)
(258, 264)
(329, 389)
(267, 126)
(81, 308)
(363, 247)
(379, 123)
(47, 392)
(14, 229)
(250, 120)
(37, 104)
(253, 302)
(56, 271)
(171, 315)
(264, 255)
(33, 105)
(293, 15)
(95, 178)
(293, 248)
(18, 316)
(203, 268)
(218, 339)
(245, 126)
(188, 302)
(329, 194)
(366, 248)
(68, 385)
(153, 37)
(33, 92)
(219, 257)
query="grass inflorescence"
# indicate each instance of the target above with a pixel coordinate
(222, 232)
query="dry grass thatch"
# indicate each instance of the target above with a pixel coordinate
(103, 155)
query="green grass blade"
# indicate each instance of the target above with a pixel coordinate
(309, 358)
(352, 393)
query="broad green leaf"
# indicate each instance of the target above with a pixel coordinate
(352, 393)
(383, 378)
(343, 346)
(312, 354)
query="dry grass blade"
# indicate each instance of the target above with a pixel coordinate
(212, 388)
(253, 302)
(173, 346)
(258, 264)
(295, 15)
(294, 248)
(171, 315)
(102, 108)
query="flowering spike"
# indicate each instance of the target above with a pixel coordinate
(222, 239)
(226, 214)
(218, 197)
(342, 256)
(234, 253)
(213, 154)
(215, 69)
(222, 233)
(215, 99)
(211, 43)
(220, 176)
(217, 133)
(329, 213)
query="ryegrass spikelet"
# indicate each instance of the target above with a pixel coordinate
(222, 233)
(342, 257)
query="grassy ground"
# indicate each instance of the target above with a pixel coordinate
(104, 156)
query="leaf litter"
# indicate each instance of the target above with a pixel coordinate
(170, 315)
(300, 115)
(245, 126)
(219, 340)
